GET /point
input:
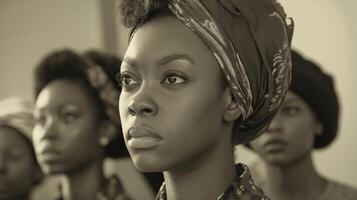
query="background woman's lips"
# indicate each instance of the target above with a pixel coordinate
(275, 146)
(49, 157)
(142, 138)
(48, 154)
(48, 149)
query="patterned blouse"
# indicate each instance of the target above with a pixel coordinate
(242, 188)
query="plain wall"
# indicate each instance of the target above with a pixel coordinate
(325, 31)
(31, 29)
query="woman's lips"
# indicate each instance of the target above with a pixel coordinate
(142, 138)
(274, 146)
(49, 155)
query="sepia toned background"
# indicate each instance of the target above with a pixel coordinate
(325, 31)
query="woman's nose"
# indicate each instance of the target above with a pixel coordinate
(143, 104)
(50, 129)
(275, 125)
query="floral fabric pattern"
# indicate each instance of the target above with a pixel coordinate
(106, 90)
(242, 188)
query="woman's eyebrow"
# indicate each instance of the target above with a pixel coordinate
(174, 57)
(67, 104)
(289, 101)
(129, 61)
(162, 61)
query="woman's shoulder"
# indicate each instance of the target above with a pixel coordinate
(336, 190)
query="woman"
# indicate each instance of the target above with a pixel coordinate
(19, 170)
(306, 121)
(76, 123)
(197, 77)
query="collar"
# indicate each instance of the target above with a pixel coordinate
(242, 187)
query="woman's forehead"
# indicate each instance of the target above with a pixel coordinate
(11, 138)
(60, 93)
(165, 37)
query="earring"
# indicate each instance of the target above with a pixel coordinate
(319, 130)
(103, 141)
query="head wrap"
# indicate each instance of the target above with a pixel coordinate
(17, 114)
(250, 39)
(106, 90)
(316, 88)
(108, 94)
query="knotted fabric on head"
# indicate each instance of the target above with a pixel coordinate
(17, 114)
(250, 40)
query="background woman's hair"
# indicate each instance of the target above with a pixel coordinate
(66, 64)
(317, 89)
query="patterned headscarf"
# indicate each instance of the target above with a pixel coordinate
(18, 114)
(250, 39)
(106, 90)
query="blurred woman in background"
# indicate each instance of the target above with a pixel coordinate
(307, 120)
(77, 124)
(19, 170)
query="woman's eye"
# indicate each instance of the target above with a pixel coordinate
(41, 120)
(290, 110)
(70, 117)
(127, 80)
(14, 156)
(174, 79)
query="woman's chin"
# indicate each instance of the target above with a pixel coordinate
(52, 169)
(148, 165)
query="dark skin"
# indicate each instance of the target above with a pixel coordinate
(18, 170)
(286, 147)
(176, 116)
(66, 137)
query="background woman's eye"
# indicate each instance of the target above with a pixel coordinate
(174, 79)
(70, 117)
(290, 110)
(14, 156)
(40, 120)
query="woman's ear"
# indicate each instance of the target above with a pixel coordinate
(37, 175)
(107, 132)
(232, 111)
(319, 128)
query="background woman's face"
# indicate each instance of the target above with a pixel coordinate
(291, 134)
(66, 132)
(171, 105)
(17, 165)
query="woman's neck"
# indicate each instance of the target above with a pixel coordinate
(297, 181)
(205, 177)
(83, 183)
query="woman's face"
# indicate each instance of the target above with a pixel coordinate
(66, 132)
(18, 169)
(171, 105)
(291, 134)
